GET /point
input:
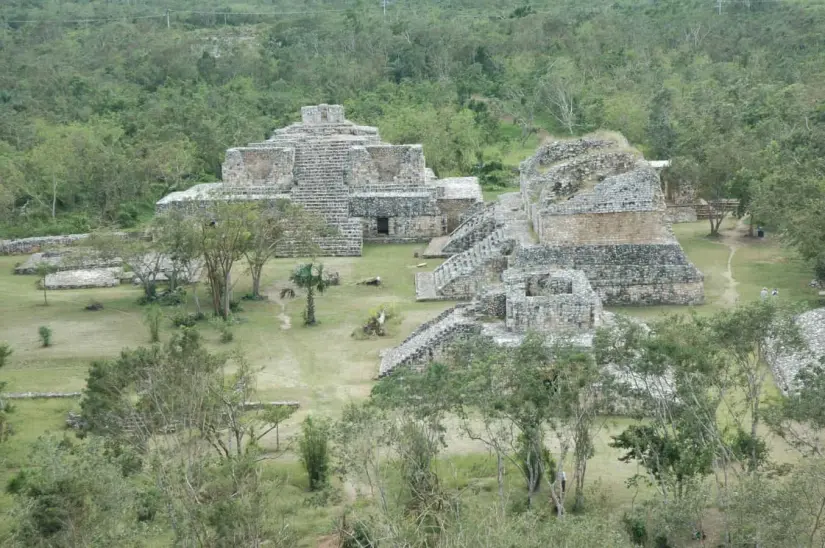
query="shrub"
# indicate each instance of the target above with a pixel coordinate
(45, 334)
(379, 322)
(313, 447)
(636, 528)
(187, 319)
(152, 318)
(356, 535)
(5, 352)
(227, 336)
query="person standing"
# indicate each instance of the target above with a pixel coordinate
(764, 293)
(775, 292)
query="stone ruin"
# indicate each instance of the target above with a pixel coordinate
(587, 228)
(590, 204)
(785, 364)
(365, 189)
(558, 302)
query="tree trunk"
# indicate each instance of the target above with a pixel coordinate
(310, 319)
(256, 280)
(500, 478)
(226, 296)
(578, 501)
(54, 195)
(45, 299)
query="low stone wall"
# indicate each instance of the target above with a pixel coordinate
(681, 214)
(40, 395)
(33, 245)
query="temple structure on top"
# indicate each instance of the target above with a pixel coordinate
(366, 190)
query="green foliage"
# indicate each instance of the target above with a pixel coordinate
(5, 352)
(314, 451)
(309, 276)
(379, 322)
(181, 318)
(45, 334)
(72, 494)
(153, 316)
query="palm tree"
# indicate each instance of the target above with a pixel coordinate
(310, 276)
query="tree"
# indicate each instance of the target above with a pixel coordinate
(223, 238)
(313, 447)
(745, 335)
(176, 237)
(43, 270)
(310, 276)
(73, 494)
(199, 429)
(274, 226)
(799, 417)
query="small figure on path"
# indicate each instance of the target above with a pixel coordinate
(563, 480)
(764, 293)
(775, 292)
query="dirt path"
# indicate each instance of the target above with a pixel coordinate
(733, 240)
(273, 294)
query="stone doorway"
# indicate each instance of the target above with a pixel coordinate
(383, 225)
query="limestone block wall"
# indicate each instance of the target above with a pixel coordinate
(543, 185)
(681, 213)
(554, 301)
(33, 245)
(259, 166)
(403, 229)
(629, 227)
(374, 166)
(626, 274)
(323, 114)
(463, 275)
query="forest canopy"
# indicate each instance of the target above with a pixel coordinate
(106, 106)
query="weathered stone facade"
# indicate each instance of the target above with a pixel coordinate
(559, 303)
(786, 363)
(589, 204)
(366, 189)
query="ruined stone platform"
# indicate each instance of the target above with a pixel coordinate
(425, 288)
(786, 364)
(84, 279)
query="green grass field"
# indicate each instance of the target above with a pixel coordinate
(324, 367)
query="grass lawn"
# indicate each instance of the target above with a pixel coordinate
(324, 367)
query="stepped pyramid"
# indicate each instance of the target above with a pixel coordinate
(365, 189)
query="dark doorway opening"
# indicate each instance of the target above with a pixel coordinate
(383, 225)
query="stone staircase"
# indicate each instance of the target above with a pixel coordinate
(472, 230)
(460, 276)
(429, 340)
(319, 180)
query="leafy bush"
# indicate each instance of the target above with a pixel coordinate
(227, 336)
(152, 318)
(5, 352)
(356, 535)
(636, 528)
(313, 448)
(187, 319)
(45, 334)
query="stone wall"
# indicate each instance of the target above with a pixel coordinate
(33, 245)
(681, 213)
(403, 229)
(323, 114)
(786, 363)
(259, 166)
(631, 227)
(550, 302)
(376, 166)
(625, 274)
